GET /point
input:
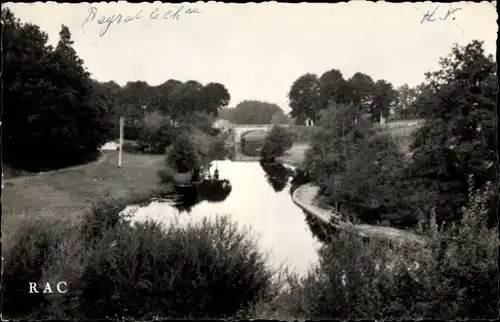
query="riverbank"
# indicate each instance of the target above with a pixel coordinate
(304, 197)
(12, 174)
(70, 191)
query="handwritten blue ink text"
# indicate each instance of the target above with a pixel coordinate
(156, 14)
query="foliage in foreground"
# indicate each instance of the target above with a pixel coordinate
(206, 270)
(454, 277)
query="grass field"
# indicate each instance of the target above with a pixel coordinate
(66, 193)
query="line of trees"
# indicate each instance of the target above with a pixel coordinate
(56, 115)
(365, 174)
(173, 99)
(53, 113)
(311, 94)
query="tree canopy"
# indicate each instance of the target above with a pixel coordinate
(53, 115)
(252, 112)
(458, 137)
(366, 173)
(309, 95)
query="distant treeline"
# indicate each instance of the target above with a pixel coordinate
(255, 112)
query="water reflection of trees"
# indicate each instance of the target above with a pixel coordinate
(277, 174)
(300, 177)
(187, 197)
(319, 229)
(215, 190)
(210, 190)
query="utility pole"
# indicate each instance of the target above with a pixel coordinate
(120, 151)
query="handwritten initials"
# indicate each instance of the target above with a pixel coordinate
(430, 16)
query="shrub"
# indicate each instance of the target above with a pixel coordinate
(376, 280)
(35, 243)
(206, 270)
(219, 149)
(277, 141)
(202, 143)
(156, 134)
(106, 214)
(131, 147)
(182, 155)
(113, 269)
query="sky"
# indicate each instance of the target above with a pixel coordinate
(258, 50)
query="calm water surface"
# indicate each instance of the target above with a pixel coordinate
(258, 200)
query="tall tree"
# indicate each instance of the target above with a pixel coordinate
(304, 98)
(185, 99)
(404, 102)
(332, 87)
(213, 97)
(161, 96)
(359, 91)
(458, 137)
(383, 97)
(338, 133)
(52, 117)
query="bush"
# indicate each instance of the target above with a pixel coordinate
(102, 216)
(277, 141)
(183, 155)
(113, 269)
(131, 147)
(208, 270)
(376, 280)
(35, 243)
(156, 134)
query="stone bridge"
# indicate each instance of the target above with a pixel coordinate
(240, 129)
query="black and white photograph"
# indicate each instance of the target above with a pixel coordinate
(240, 161)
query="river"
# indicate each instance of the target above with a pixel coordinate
(259, 199)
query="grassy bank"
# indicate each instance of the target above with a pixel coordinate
(67, 193)
(295, 155)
